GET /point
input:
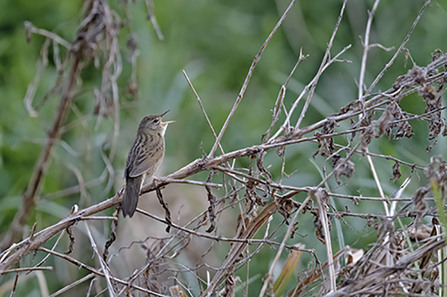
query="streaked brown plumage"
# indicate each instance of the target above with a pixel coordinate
(144, 158)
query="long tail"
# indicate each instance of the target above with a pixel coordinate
(131, 194)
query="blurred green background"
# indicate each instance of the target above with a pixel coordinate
(215, 43)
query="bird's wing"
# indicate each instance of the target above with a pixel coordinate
(145, 156)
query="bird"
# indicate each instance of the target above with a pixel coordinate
(144, 158)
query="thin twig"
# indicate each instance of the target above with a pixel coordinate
(202, 108)
(28, 269)
(399, 50)
(269, 276)
(56, 38)
(96, 272)
(280, 99)
(247, 79)
(191, 182)
(321, 197)
(72, 285)
(105, 268)
(322, 66)
(366, 47)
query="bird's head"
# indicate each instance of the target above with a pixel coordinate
(152, 124)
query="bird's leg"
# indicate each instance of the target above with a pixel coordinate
(121, 191)
(142, 180)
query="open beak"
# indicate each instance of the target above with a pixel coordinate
(168, 122)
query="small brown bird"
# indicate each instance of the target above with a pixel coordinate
(144, 158)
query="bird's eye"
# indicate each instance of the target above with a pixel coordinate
(156, 121)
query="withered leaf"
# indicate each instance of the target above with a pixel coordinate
(396, 172)
(343, 167)
(366, 138)
(325, 144)
(319, 230)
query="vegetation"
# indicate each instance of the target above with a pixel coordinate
(304, 160)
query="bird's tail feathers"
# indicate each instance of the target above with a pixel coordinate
(131, 195)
